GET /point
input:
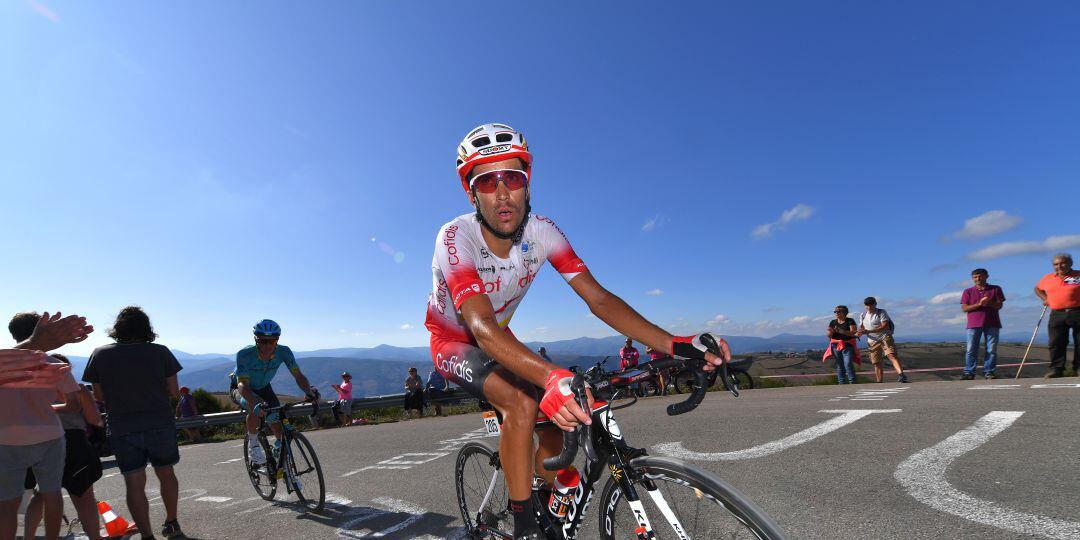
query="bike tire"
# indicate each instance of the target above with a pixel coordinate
(474, 468)
(742, 379)
(717, 509)
(302, 464)
(263, 477)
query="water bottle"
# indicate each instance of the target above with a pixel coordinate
(566, 485)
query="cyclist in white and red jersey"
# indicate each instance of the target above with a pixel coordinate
(484, 263)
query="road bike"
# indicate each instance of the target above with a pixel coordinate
(738, 377)
(645, 497)
(295, 462)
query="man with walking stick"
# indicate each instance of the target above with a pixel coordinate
(1060, 291)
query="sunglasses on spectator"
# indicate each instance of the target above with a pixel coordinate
(488, 182)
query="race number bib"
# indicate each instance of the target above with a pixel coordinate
(491, 423)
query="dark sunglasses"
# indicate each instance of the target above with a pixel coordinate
(488, 182)
(266, 340)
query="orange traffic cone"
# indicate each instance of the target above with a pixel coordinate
(115, 526)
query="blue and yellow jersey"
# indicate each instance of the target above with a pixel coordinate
(258, 373)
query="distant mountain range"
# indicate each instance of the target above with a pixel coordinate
(382, 369)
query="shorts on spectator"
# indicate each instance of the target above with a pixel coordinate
(46, 459)
(879, 349)
(82, 466)
(344, 406)
(156, 446)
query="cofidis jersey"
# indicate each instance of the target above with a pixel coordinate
(463, 267)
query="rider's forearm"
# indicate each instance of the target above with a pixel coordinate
(302, 383)
(508, 351)
(619, 315)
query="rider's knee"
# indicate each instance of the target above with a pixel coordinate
(521, 409)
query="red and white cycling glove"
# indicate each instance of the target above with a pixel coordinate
(556, 391)
(691, 347)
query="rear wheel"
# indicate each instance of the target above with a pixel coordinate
(262, 477)
(700, 504)
(741, 379)
(476, 474)
(304, 474)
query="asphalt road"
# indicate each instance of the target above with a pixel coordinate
(929, 460)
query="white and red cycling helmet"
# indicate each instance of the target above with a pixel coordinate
(488, 143)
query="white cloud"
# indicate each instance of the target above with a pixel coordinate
(950, 297)
(959, 319)
(800, 319)
(654, 292)
(1009, 249)
(406, 326)
(799, 212)
(652, 223)
(717, 321)
(990, 223)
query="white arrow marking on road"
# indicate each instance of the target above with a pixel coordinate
(399, 506)
(923, 476)
(213, 499)
(847, 416)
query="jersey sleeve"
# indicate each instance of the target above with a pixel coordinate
(242, 373)
(289, 359)
(965, 297)
(559, 253)
(455, 261)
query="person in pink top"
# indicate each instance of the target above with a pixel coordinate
(628, 355)
(31, 435)
(343, 407)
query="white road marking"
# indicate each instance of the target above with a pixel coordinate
(229, 461)
(995, 387)
(847, 416)
(415, 512)
(213, 499)
(398, 462)
(923, 475)
(241, 445)
(1056, 385)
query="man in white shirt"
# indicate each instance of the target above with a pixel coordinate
(876, 325)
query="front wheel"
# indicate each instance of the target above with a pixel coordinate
(304, 474)
(263, 477)
(481, 492)
(682, 501)
(741, 379)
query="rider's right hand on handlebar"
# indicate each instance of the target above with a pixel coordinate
(558, 403)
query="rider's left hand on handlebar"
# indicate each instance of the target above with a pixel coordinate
(692, 347)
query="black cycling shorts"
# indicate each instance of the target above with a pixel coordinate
(463, 364)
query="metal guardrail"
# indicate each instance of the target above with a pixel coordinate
(449, 397)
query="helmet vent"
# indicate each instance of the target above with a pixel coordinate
(504, 137)
(481, 142)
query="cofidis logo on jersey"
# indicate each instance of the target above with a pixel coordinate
(454, 366)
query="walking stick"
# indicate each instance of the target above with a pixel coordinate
(1033, 334)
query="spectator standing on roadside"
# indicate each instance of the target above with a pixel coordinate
(662, 377)
(82, 466)
(186, 408)
(982, 304)
(343, 407)
(436, 387)
(628, 355)
(1060, 291)
(876, 325)
(542, 351)
(135, 378)
(414, 394)
(843, 345)
(31, 435)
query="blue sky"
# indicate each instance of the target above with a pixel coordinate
(742, 167)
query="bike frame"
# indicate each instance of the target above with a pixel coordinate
(286, 448)
(613, 453)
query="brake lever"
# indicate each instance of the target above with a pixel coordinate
(725, 374)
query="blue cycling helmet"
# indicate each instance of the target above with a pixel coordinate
(266, 327)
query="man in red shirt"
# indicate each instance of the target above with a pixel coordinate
(1061, 292)
(628, 355)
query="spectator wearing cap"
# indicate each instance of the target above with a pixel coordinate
(843, 345)
(1060, 291)
(186, 408)
(877, 326)
(414, 394)
(343, 406)
(982, 303)
(436, 387)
